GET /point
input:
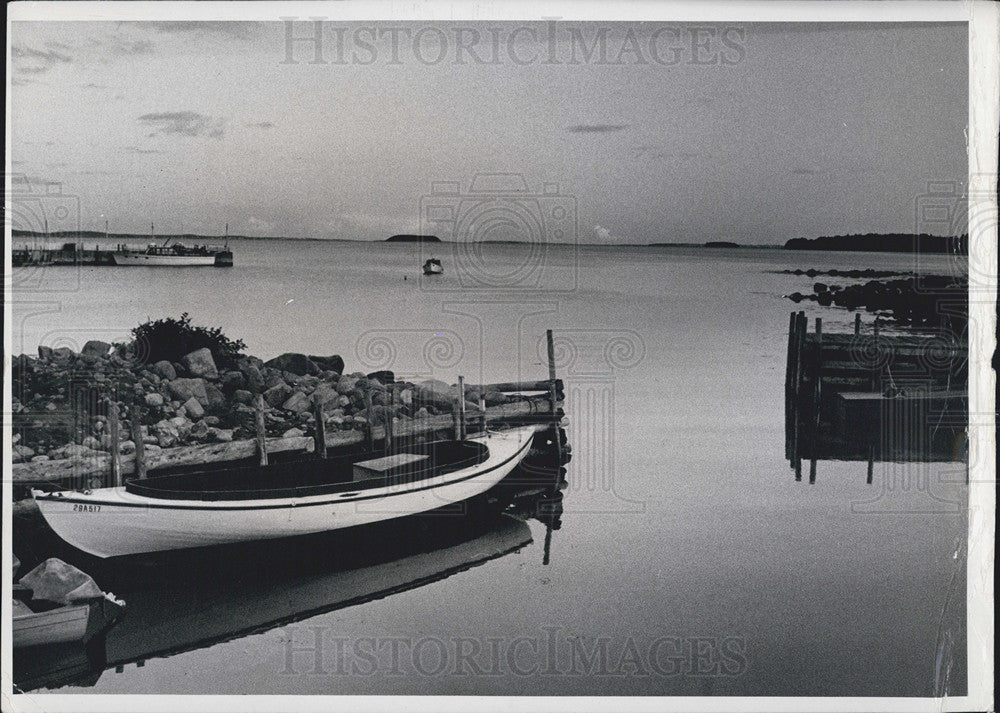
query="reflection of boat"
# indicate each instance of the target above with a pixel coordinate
(195, 509)
(433, 267)
(204, 606)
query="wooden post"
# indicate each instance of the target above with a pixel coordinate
(140, 446)
(320, 433)
(482, 409)
(871, 464)
(461, 408)
(789, 364)
(261, 430)
(550, 348)
(800, 336)
(114, 431)
(873, 377)
(369, 428)
(390, 408)
(818, 385)
(857, 323)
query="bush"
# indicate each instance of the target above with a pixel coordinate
(171, 339)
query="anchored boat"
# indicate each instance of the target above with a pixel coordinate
(212, 507)
(433, 267)
(176, 255)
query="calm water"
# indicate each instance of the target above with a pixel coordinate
(683, 528)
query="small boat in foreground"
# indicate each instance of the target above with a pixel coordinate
(433, 267)
(308, 495)
(56, 603)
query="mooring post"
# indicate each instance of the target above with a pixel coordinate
(140, 446)
(857, 323)
(261, 430)
(482, 409)
(369, 427)
(390, 409)
(461, 408)
(789, 363)
(319, 434)
(550, 348)
(873, 377)
(114, 432)
(800, 337)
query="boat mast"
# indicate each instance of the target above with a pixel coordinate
(227, 236)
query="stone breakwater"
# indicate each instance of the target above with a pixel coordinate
(60, 399)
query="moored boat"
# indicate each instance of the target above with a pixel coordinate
(433, 267)
(212, 507)
(175, 255)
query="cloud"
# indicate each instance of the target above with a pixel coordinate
(605, 236)
(129, 48)
(261, 125)
(136, 149)
(28, 60)
(184, 123)
(596, 128)
(234, 29)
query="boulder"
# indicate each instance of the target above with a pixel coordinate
(200, 363)
(232, 381)
(293, 433)
(222, 435)
(330, 363)
(154, 400)
(435, 393)
(193, 408)
(346, 384)
(92, 443)
(165, 370)
(296, 363)
(273, 377)
(95, 348)
(44, 353)
(216, 399)
(23, 453)
(40, 459)
(383, 376)
(167, 433)
(62, 354)
(254, 379)
(71, 450)
(297, 403)
(243, 396)
(495, 398)
(200, 430)
(278, 394)
(406, 397)
(127, 447)
(184, 389)
(327, 395)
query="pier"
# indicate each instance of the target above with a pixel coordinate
(868, 396)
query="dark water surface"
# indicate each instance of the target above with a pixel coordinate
(689, 560)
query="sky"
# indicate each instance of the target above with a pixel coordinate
(605, 132)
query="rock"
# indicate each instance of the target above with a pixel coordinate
(278, 394)
(200, 430)
(39, 459)
(200, 363)
(95, 348)
(254, 379)
(383, 377)
(92, 443)
(495, 398)
(406, 397)
(346, 384)
(71, 450)
(291, 377)
(212, 420)
(222, 435)
(165, 370)
(435, 393)
(422, 413)
(243, 396)
(193, 408)
(167, 433)
(22, 453)
(297, 403)
(154, 400)
(184, 389)
(127, 447)
(344, 401)
(216, 399)
(232, 381)
(296, 363)
(62, 354)
(327, 395)
(293, 433)
(44, 353)
(272, 378)
(152, 448)
(330, 363)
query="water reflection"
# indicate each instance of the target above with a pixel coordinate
(187, 600)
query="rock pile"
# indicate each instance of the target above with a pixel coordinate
(61, 411)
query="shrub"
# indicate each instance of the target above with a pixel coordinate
(171, 339)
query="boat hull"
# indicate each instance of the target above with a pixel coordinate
(111, 522)
(143, 260)
(67, 623)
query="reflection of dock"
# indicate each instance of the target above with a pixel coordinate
(871, 397)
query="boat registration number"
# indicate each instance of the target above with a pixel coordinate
(79, 507)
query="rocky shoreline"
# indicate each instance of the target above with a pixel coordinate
(922, 301)
(60, 399)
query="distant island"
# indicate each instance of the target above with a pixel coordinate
(413, 239)
(885, 242)
(721, 244)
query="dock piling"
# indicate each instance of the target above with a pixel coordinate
(857, 323)
(261, 430)
(320, 429)
(140, 446)
(461, 408)
(390, 409)
(369, 427)
(551, 353)
(114, 431)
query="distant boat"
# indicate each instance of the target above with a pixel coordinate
(433, 267)
(176, 255)
(299, 497)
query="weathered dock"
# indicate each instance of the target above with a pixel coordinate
(869, 396)
(68, 254)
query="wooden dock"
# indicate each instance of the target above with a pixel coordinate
(869, 396)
